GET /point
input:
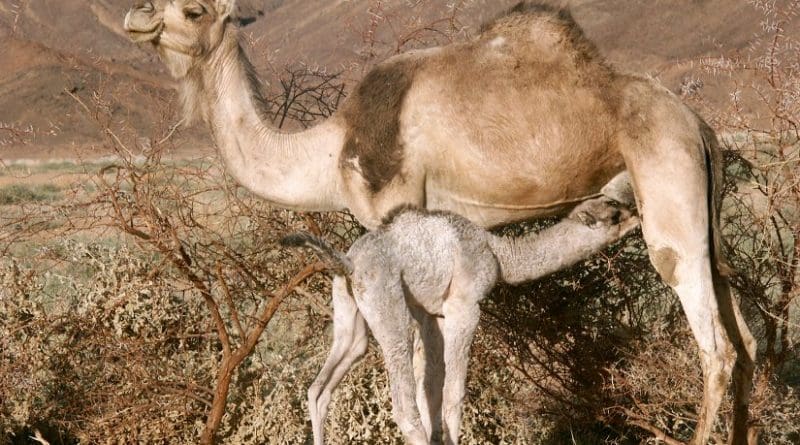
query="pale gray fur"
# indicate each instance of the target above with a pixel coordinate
(434, 268)
(587, 230)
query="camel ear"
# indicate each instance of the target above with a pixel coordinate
(225, 7)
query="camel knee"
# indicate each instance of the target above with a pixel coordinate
(315, 397)
(718, 366)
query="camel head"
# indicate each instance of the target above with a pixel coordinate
(184, 32)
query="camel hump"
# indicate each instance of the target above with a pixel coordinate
(548, 27)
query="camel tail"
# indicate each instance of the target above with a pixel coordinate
(715, 173)
(335, 260)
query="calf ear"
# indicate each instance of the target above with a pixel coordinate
(224, 7)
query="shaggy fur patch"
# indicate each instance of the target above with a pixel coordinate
(533, 15)
(372, 115)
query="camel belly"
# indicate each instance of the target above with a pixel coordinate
(535, 175)
(491, 202)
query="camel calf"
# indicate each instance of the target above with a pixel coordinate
(434, 268)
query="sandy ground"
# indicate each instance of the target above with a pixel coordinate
(52, 167)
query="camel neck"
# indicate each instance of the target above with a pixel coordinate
(298, 170)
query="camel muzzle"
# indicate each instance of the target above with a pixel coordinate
(143, 22)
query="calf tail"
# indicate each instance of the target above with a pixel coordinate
(335, 260)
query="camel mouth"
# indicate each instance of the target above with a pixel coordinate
(143, 25)
(150, 35)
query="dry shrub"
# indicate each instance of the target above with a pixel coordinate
(390, 29)
(14, 134)
(101, 345)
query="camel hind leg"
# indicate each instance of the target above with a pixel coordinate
(474, 277)
(743, 340)
(460, 322)
(746, 347)
(673, 186)
(349, 344)
(429, 371)
(384, 307)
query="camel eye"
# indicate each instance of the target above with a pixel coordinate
(194, 13)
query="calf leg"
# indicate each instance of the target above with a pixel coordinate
(349, 344)
(474, 277)
(384, 308)
(461, 316)
(429, 372)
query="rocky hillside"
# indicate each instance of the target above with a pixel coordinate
(60, 59)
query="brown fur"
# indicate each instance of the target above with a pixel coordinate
(525, 8)
(372, 116)
(372, 113)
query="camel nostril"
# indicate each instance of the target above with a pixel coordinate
(146, 7)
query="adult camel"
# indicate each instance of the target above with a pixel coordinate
(523, 121)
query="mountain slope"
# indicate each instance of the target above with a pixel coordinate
(55, 52)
